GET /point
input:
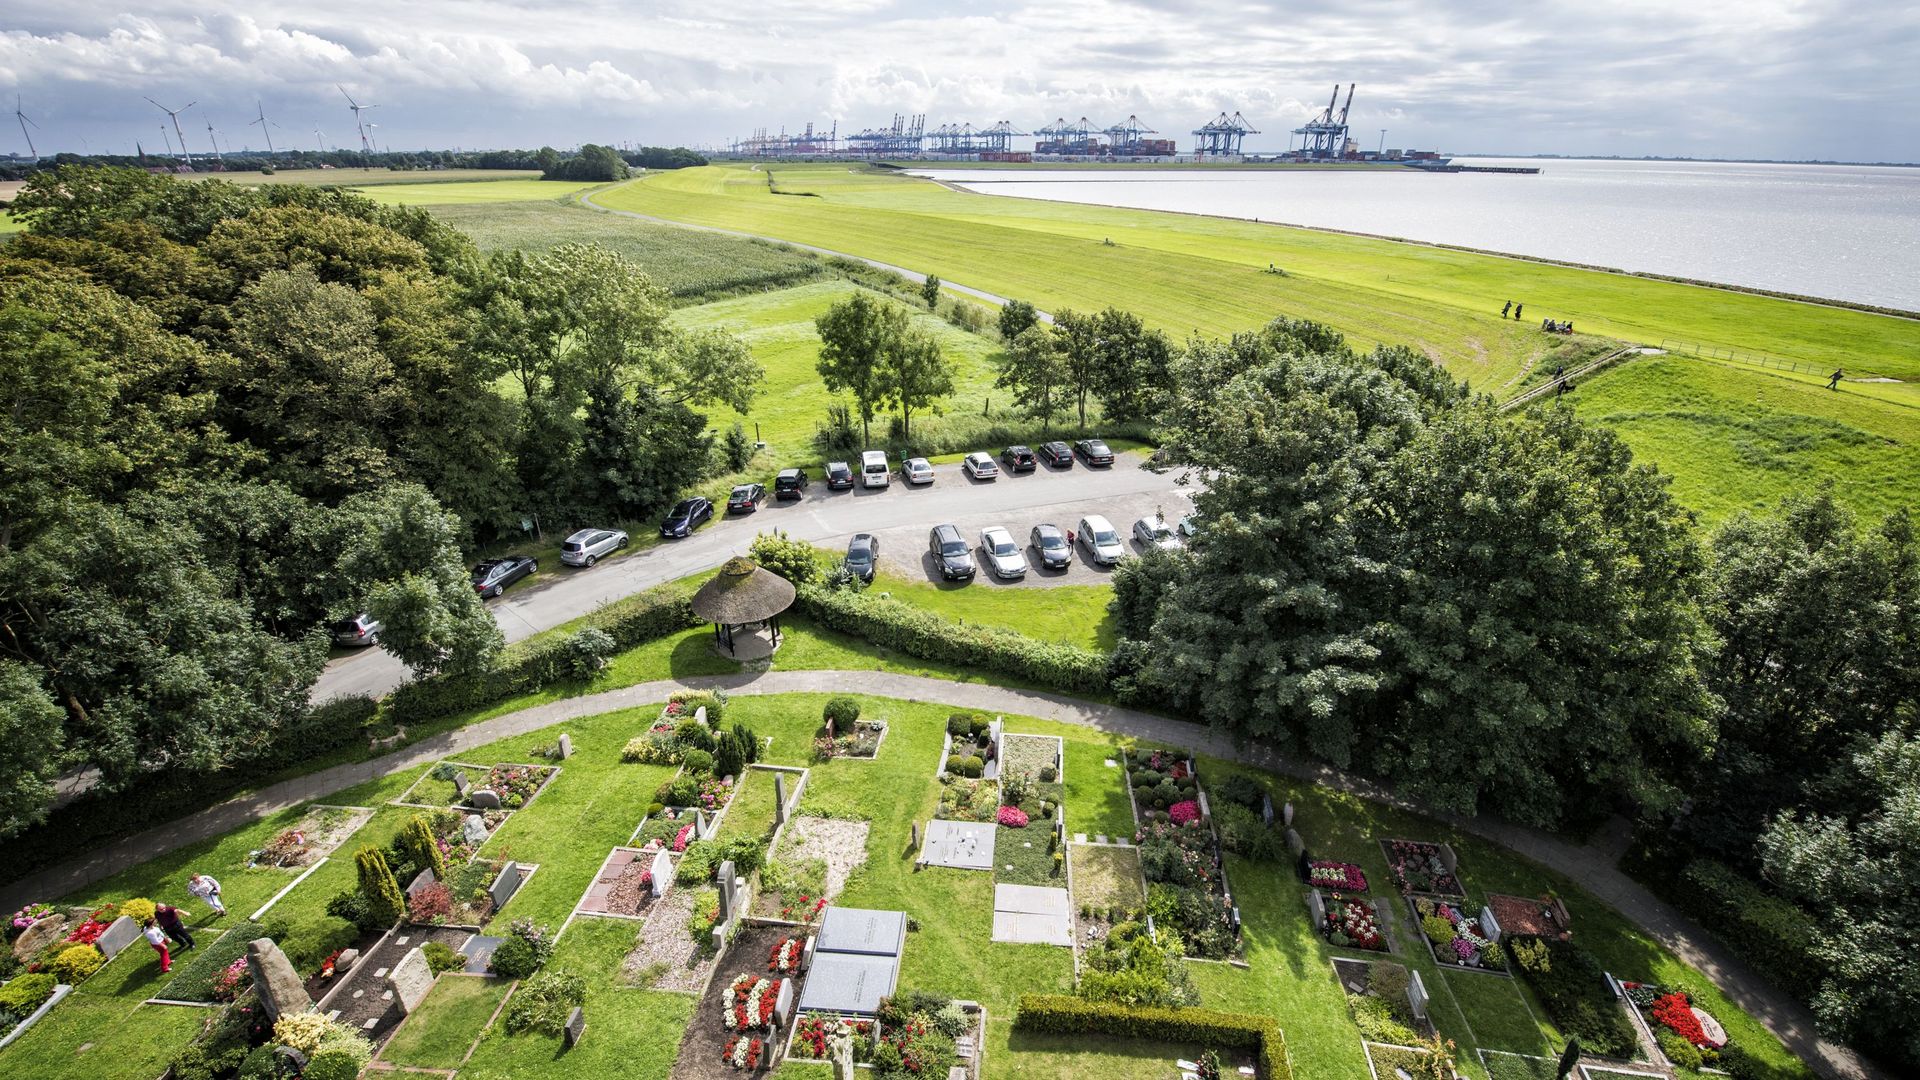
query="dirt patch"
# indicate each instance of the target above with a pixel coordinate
(666, 957)
(704, 1046)
(632, 892)
(842, 845)
(320, 831)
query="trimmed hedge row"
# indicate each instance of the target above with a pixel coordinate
(1766, 931)
(193, 975)
(916, 632)
(1060, 1014)
(527, 667)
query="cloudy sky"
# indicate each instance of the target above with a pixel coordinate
(1711, 78)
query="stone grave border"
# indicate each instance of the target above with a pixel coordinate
(1366, 1047)
(998, 729)
(1552, 1063)
(1386, 852)
(885, 727)
(1419, 931)
(793, 1032)
(475, 928)
(1237, 957)
(773, 842)
(974, 1067)
(291, 885)
(379, 1064)
(552, 773)
(60, 991)
(1381, 914)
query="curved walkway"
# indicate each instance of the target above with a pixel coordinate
(1591, 867)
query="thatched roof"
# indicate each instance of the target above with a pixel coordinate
(743, 592)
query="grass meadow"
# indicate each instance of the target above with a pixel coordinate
(443, 192)
(367, 177)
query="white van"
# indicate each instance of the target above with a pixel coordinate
(873, 469)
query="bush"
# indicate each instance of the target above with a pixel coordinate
(441, 958)
(1243, 833)
(921, 634)
(302, 1031)
(841, 712)
(1573, 987)
(960, 725)
(27, 993)
(513, 959)
(309, 940)
(76, 963)
(544, 1002)
(583, 654)
(1058, 1014)
(352, 906)
(1766, 931)
(342, 1055)
(139, 910)
(729, 755)
(1241, 790)
(698, 762)
(1048, 774)
(795, 560)
(193, 977)
(1377, 1023)
(1679, 1051)
(693, 735)
(970, 767)
(385, 903)
(1438, 930)
(652, 748)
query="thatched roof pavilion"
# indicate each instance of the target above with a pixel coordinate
(743, 595)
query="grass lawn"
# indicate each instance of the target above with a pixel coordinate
(1501, 1013)
(369, 177)
(441, 1028)
(750, 811)
(1074, 614)
(1097, 792)
(1738, 438)
(1187, 272)
(442, 193)
(88, 1037)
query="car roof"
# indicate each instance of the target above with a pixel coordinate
(942, 531)
(917, 461)
(582, 535)
(996, 529)
(1096, 522)
(738, 488)
(861, 539)
(832, 465)
(1020, 448)
(1051, 445)
(980, 455)
(1046, 529)
(487, 564)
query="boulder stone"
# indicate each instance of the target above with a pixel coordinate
(474, 831)
(38, 936)
(484, 798)
(345, 961)
(279, 988)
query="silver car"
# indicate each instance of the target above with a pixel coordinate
(1155, 533)
(1003, 555)
(357, 632)
(589, 546)
(917, 471)
(980, 467)
(1101, 540)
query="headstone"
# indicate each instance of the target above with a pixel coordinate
(275, 983)
(484, 798)
(1294, 843)
(38, 936)
(474, 830)
(1236, 920)
(411, 978)
(576, 1022)
(1448, 859)
(806, 953)
(727, 873)
(420, 881)
(1401, 1074)
(566, 746)
(779, 799)
(700, 714)
(702, 828)
(662, 871)
(289, 1062)
(345, 961)
(1286, 815)
(1716, 1035)
(121, 933)
(1417, 997)
(1317, 906)
(840, 1052)
(461, 783)
(1490, 925)
(1266, 809)
(504, 886)
(783, 1004)
(914, 843)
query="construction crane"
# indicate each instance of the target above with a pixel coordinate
(1221, 137)
(1325, 136)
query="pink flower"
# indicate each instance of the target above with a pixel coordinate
(1184, 812)
(1013, 817)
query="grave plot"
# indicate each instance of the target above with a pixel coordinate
(968, 800)
(1388, 1001)
(1417, 866)
(1107, 887)
(1501, 1065)
(1686, 1035)
(1578, 995)
(674, 949)
(315, 836)
(1543, 917)
(1458, 939)
(470, 897)
(673, 828)
(815, 858)
(630, 881)
(1027, 915)
(962, 845)
(972, 748)
(1388, 1061)
(462, 786)
(738, 1023)
(844, 734)
(376, 993)
(1348, 922)
(856, 962)
(1179, 849)
(814, 1032)
(438, 1033)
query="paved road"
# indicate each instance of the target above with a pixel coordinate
(900, 514)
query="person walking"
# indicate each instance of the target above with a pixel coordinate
(1834, 382)
(157, 938)
(1517, 309)
(1506, 307)
(169, 919)
(204, 887)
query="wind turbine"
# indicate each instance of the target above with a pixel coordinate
(264, 126)
(320, 140)
(213, 138)
(175, 115)
(365, 144)
(24, 121)
(373, 141)
(168, 140)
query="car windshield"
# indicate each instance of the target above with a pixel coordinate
(685, 508)
(1051, 540)
(951, 548)
(876, 466)
(1001, 545)
(860, 555)
(1160, 532)
(571, 545)
(1097, 447)
(1105, 536)
(741, 492)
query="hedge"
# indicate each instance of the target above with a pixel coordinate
(1578, 1000)
(193, 975)
(1060, 1014)
(1764, 930)
(892, 624)
(531, 666)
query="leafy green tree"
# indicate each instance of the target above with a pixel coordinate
(592, 164)
(402, 552)
(1077, 343)
(1016, 318)
(1133, 372)
(640, 451)
(795, 560)
(856, 337)
(916, 375)
(32, 737)
(930, 291)
(706, 367)
(1032, 369)
(384, 902)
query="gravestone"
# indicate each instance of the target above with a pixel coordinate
(1266, 809)
(461, 783)
(779, 799)
(1417, 997)
(702, 828)
(279, 988)
(727, 873)
(345, 961)
(1490, 925)
(288, 1061)
(1236, 920)
(806, 953)
(1286, 815)
(700, 714)
(38, 936)
(1200, 799)
(576, 1024)
(474, 830)
(1449, 860)
(504, 886)
(566, 746)
(484, 798)
(121, 933)
(1294, 843)
(420, 881)
(914, 843)
(411, 978)
(1317, 907)
(783, 1004)
(662, 871)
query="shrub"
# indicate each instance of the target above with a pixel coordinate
(1048, 774)
(841, 712)
(698, 762)
(384, 901)
(1240, 790)
(960, 725)
(27, 993)
(75, 963)
(194, 976)
(544, 1002)
(422, 850)
(970, 767)
(1438, 930)
(1377, 1023)
(352, 906)
(1058, 1014)
(441, 958)
(341, 1055)
(1243, 833)
(1679, 1051)
(693, 735)
(430, 902)
(730, 757)
(924, 635)
(309, 940)
(1573, 987)
(688, 702)
(652, 748)
(583, 654)
(302, 1031)
(795, 560)
(513, 959)
(1013, 817)
(139, 910)
(1766, 931)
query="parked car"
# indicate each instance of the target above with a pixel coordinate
(863, 555)
(746, 498)
(950, 553)
(687, 516)
(917, 471)
(363, 629)
(1155, 533)
(1003, 555)
(589, 546)
(839, 476)
(1101, 540)
(1093, 452)
(1190, 525)
(790, 484)
(1050, 543)
(492, 576)
(980, 467)
(1018, 459)
(1057, 454)
(874, 472)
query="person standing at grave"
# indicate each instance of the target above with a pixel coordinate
(1517, 309)
(206, 888)
(169, 919)
(1506, 307)
(157, 938)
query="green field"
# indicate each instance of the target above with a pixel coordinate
(440, 192)
(1188, 273)
(1074, 614)
(1736, 438)
(365, 177)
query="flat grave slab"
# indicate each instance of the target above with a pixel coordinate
(1032, 915)
(963, 845)
(479, 953)
(849, 983)
(862, 931)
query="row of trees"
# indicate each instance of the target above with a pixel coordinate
(646, 157)
(230, 416)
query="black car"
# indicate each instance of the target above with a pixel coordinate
(863, 555)
(1093, 452)
(790, 483)
(1057, 455)
(1018, 459)
(1050, 543)
(686, 517)
(839, 476)
(492, 576)
(746, 498)
(950, 553)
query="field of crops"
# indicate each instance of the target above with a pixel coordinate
(1186, 272)
(1737, 438)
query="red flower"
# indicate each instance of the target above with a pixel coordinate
(1676, 1012)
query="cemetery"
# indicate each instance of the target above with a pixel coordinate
(693, 890)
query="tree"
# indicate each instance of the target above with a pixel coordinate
(401, 551)
(384, 903)
(916, 375)
(706, 367)
(416, 840)
(594, 164)
(1133, 373)
(856, 337)
(1032, 370)
(1016, 318)
(639, 451)
(930, 291)
(31, 747)
(795, 560)
(1078, 344)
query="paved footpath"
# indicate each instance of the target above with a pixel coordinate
(1592, 867)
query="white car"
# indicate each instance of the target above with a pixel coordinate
(980, 467)
(917, 471)
(874, 471)
(1101, 540)
(589, 546)
(1155, 533)
(1003, 555)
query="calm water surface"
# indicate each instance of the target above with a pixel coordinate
(1846, 232)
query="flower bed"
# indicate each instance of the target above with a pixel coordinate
(1156, 781)
(746, 1052)
(1012, 817)
(1420, 867)
(968, 800)
(784, 959)
(1336, 876)
(1353, 923)
(861, 743)
(1688, 1036)
(813, 1037)
(1456, 938)
(748, 1002)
